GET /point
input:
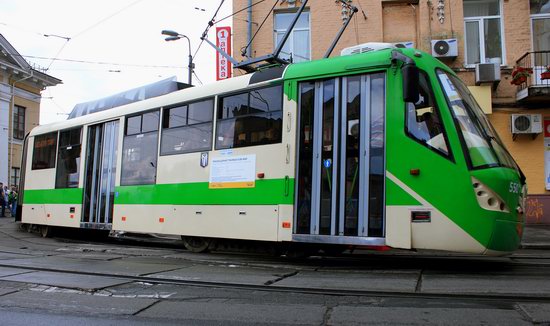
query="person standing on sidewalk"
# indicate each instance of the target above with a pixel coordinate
(12, 200)
(2, 200)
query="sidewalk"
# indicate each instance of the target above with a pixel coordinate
(536, 236)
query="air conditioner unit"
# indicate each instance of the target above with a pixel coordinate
(526, 123)
(407, 44)
(487, 73)
(366, 47)
(445, 48)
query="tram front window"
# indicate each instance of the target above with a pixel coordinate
(485, 148)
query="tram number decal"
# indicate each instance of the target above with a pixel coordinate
(514, 188)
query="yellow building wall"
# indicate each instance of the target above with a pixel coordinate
(398, 21)
(32, 118)
(528, 152)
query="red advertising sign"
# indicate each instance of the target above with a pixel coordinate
(223, 41)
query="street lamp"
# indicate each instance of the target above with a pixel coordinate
(174, 36)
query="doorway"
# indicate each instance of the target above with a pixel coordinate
(341, 160)
(99, 181)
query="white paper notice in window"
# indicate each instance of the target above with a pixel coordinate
(233, 172)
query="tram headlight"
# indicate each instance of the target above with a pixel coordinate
(487, 198)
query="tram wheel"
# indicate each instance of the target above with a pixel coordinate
(24, 227)
(196, 244)
(46, 231)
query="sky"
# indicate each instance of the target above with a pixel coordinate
(126, 34)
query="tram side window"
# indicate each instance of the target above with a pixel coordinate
(44, 150)
(251, 118)
(423, 121)
(187, 128)
(68, 159)
(139, 149)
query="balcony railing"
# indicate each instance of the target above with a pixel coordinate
(531, 77)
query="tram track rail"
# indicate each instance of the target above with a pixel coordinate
(516, 260)
(490, 298)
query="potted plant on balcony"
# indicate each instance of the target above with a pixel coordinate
(545, 74)
(520, 75)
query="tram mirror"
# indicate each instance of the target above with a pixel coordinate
(410, 83)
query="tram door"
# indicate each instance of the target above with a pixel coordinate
(99, 184)
(340, 172)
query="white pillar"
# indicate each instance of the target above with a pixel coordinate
(5, 98)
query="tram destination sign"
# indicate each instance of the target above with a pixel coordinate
(233, 172)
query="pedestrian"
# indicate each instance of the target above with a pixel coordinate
(2, 200)
(13, 200)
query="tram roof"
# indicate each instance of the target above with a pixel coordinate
(184, 95)
(311, 69)
(337, 65)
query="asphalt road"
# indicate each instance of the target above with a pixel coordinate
(73, 280)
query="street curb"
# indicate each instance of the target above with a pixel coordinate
(543, 246)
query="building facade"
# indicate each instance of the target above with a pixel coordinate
(502, 39)
(20, 88)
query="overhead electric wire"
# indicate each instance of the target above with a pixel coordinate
(89, 28)
(361, 8)
(105, 19)
(57, 54)
(196, 76)
(99, 62)
(103, 62)
(205, 33)
(224, 18)
(238, 11)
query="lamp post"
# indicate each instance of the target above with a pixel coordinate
(174, 36)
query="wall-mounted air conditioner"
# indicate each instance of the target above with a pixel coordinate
(487, 73)
(447, 48)
(405, 44)
(526, 124)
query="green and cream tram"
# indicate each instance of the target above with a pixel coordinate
(380, 149)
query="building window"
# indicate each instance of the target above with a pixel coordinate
(297, 46)
(540, 22)
(15, 175)
(140, 146)
(43, 156)
(68, 159)
(187, 128)
(251, 118)
(18, 122)
(483, 32)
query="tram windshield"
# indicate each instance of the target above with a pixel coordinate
(485, 148)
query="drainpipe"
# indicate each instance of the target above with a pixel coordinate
(249, 31)
(10, 131)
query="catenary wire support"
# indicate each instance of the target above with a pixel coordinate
(353, 10)
(243, 51)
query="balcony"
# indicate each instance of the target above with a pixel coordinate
(534, 86)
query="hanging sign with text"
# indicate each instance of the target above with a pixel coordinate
(223, 41)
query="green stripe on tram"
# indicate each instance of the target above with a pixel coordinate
(265, 192)
(53, 196)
